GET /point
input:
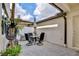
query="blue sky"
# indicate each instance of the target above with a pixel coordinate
(30, 7)
(41, 10)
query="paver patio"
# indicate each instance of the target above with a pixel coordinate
(47, 49)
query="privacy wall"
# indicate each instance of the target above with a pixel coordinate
(54, 34)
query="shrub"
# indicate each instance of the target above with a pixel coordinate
(14, 51)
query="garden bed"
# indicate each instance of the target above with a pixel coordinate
(14, 51)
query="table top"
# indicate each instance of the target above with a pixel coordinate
(34, 36)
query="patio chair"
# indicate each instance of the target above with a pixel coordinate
(41, 39)
(26, 36)
(30, 34)
(28, 39)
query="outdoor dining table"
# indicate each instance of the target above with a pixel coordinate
(35, 38)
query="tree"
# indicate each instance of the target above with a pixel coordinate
(12, 27)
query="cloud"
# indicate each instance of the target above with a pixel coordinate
(27, 17)
(22, 13)
(44, 10)
(37, 12)
(40, 7)
(19, 10)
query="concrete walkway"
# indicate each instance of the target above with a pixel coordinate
(47, 49)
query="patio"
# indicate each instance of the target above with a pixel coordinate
(57, 27)
(48, 49)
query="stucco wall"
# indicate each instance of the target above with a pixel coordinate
(0, 28)
(70, 31)
(3, 40)
(55, 34)
(71, 12)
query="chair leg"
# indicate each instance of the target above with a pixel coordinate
(39, 43)
(29, 43)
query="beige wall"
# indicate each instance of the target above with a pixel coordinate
(3, 40)
(55, 34)
(70, 18)
(0, 29)
(71, 12)
(76, 31)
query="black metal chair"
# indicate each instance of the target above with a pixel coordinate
(41, 39)
(30, 34)
(27, 36)
(30, 37)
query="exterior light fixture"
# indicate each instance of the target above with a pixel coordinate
(48, 26)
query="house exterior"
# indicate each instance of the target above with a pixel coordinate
(66, 33)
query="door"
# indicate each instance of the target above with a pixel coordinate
(76, 31)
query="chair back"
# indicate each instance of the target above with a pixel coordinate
(30, 34)
(27, 36)
(42, 36)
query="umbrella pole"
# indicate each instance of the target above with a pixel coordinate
(35, 32)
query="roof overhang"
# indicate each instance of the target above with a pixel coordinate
(52, 17)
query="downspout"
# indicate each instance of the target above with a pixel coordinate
(65, 29)
(65, 23)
